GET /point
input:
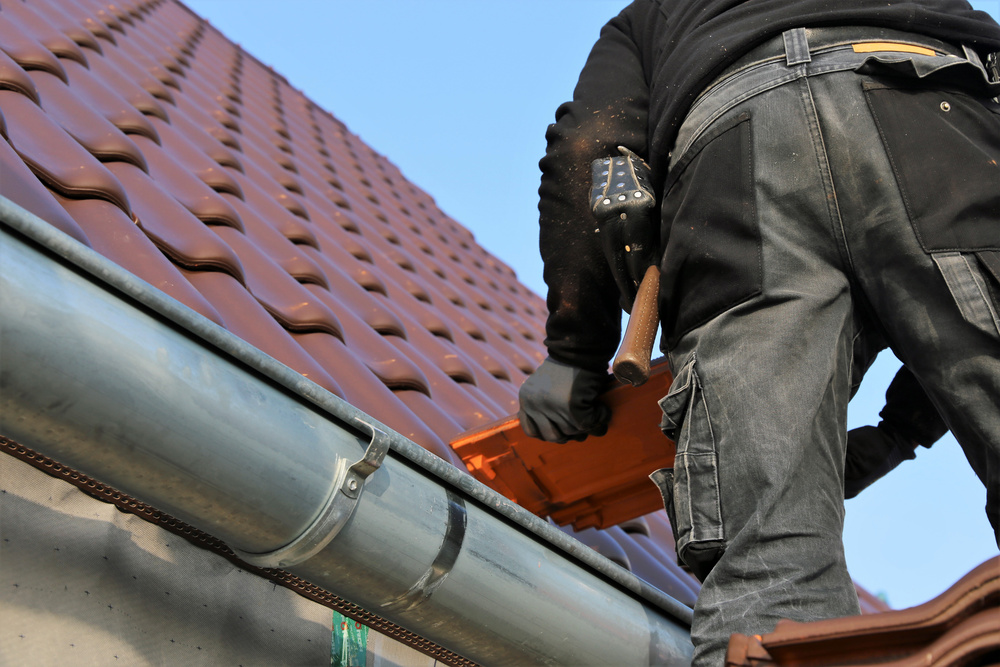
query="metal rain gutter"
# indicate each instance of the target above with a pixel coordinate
(106, 374)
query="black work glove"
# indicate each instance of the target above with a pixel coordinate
(630, 245)
(872, 451)
(909, 419)
(560, 402)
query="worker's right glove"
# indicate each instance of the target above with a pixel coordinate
(560, 402)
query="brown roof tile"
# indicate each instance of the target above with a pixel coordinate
(660, 571)
(21, 186)
(41, 28)
(242, 314)
(13, 77)
(75, 21)
(134, 94)
(955, 628)
(282, 296)
(193, 193)
(58, 17)
(179, 235)
(96, 92)
(57, 159)
(200, 154)
(96, 134)
(25, 50)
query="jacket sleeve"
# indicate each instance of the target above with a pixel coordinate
(609, 109)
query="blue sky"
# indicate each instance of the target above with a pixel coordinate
(437, 85)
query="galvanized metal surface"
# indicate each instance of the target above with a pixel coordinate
(231, 442)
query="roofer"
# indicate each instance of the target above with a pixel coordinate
(828, 180)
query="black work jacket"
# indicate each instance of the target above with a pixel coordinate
(649, 64)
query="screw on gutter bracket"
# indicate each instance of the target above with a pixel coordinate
(351, 486)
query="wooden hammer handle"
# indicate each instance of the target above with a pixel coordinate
(631, 365)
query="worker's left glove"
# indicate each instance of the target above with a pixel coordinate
(872, 451)
(909, 419)
(560, 402)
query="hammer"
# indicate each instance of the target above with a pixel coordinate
(631, 364)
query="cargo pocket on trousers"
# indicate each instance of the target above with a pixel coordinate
(691, 489)
(712, 247)
(944, 148)
(974, 282)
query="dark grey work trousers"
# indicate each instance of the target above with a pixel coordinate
(821, 205)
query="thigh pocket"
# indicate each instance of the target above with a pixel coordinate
(691, 489)
(945, 153)
(974, 282)
(712, 256)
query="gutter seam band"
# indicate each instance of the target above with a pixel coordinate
(443, 563)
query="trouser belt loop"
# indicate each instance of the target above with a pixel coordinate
(974, 58)
(796, 47)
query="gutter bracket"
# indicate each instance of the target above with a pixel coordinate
(340, 505)
(356, 475)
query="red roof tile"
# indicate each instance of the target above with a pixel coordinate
(598, 483)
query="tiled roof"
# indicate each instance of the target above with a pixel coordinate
(140, 130)
(146, 134)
